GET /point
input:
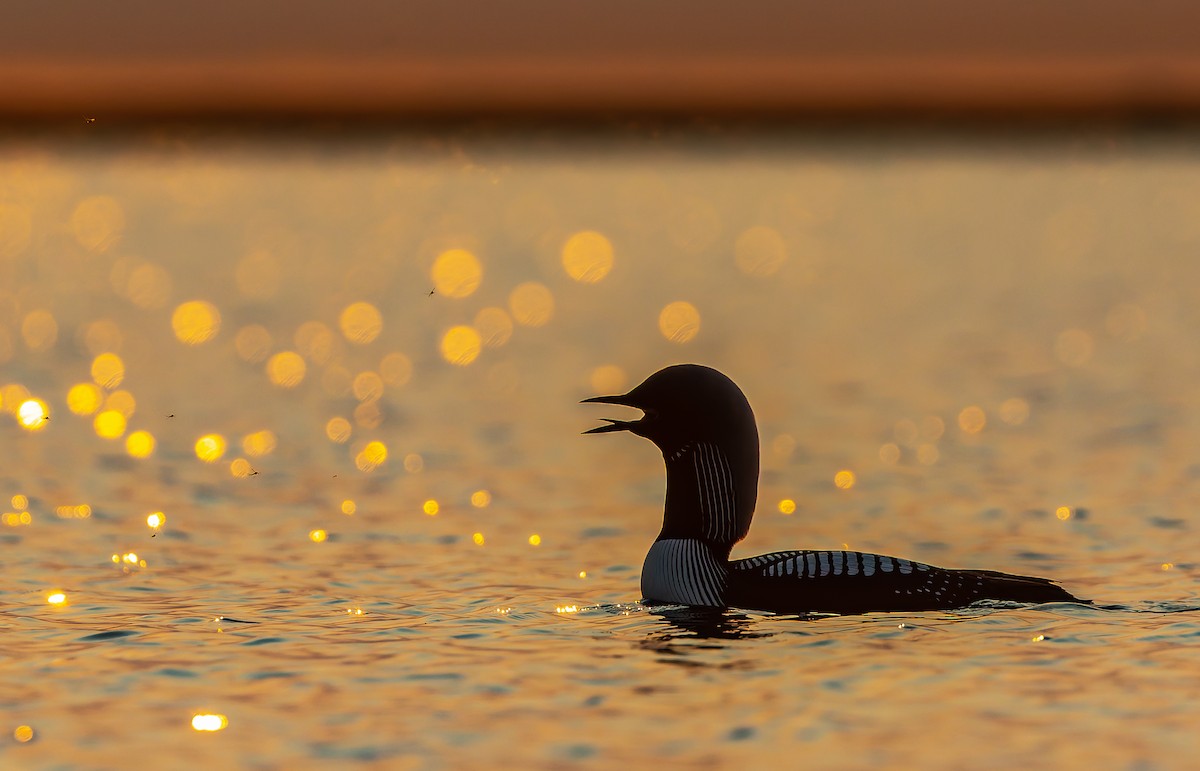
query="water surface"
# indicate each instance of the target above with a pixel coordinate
(385, 543)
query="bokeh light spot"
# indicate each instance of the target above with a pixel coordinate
(608, 379)
(889, 453)
(97, 223)
(1014, 411)
(57, 599)
(368, 386)
(532, 304)
(109, 424)
(679, 321)
(535, 540)
(368, 415)
(414, 463)
(149, 286)
(259, 443)
(361, 323)
(349, 507)
(195, 322)
(240, 468)
(82, 511)
(253, 343)
(461, 345)
(140, 444)
(33, 414)
(12, 396)
(209, 722)
(39, 329)
(587, 256)
(456, 273)
(787, 506)
(1063, 512)
(494, 325)
(103, 335)
(84, 398)
(23, 734)
(783, 446)
(108, 370)
(927, 454)
(156, 519)
(844, 479)
(315, 341)
(972, 419)
(286, 369)
(121, 401)
(477, 538)
(338, 430)
(430, 507)
(210, 448)
(395, 369)
(481, 499)
(760, 251)
(372, 456)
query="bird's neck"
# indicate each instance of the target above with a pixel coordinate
(710, 495)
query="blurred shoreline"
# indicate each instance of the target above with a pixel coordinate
(535, 61)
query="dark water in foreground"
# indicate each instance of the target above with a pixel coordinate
(384, 542)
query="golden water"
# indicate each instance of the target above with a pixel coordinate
(289, 446)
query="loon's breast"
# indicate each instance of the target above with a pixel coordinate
(684, 571)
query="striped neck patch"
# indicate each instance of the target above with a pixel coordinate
(683, 571)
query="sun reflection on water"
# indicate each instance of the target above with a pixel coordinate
(456, 273)
(196, 322)
(461, 345)
(109, 424)
(679, 321)
(84, 398)
(361, 323)
(587, 256)
(33, 414)
(286, 369)
(210, 448)
(532, 304)
(140, 444)
(253, 343)
(98, 222)
(209, 722)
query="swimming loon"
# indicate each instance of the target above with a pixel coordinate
(705, 428)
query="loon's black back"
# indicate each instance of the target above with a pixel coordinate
(854, 582)
(704, 426)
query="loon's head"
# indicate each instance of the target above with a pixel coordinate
(705, 428)
(682, 404)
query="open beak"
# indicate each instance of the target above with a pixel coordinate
(613, 425)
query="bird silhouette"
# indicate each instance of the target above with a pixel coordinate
(703, 424)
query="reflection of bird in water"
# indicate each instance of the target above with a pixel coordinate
(704, 426)
(703, 623)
